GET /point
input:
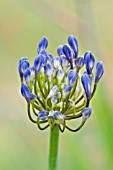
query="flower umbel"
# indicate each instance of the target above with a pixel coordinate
(59, 89)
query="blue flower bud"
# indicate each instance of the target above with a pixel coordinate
(53, 91)
(57, 62)
(27, 75)
(79, 62)
(45, 56)
(42, 115)
(99, 71)
(58, 115)
(39, 60)
(72, 75)
(86, 82)
(68, 52)
(89, 61)
(60, 50)
(66, 91)
(53, 99)
(32, 70)
(42, 44)
(26, 93)
(60, 74)
(50, 56)
(48, 69)
(51, 115)
(73, 42)
(86, 113)
(22, 66)
(64, 61)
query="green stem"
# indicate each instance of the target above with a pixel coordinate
(53, 153)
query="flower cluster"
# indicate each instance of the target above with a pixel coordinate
(58, 89)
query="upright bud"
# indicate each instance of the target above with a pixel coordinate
(73, 42)
(86, 113)
(48, 69)
(72, 75)
(64, 61)
(99, 71)
(57, 62)
(68, 53)
(60, 74)
(66, 91)
(39, 60)
(42, 44)
(89, 61)
(86, 82)
(53, 91)
(79, 62)
(60, 50)
(53, 100)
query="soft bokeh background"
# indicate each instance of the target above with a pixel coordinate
(22, 24)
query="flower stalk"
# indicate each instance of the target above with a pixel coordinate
(53, 150)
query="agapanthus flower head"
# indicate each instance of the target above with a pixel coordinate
(59, 89)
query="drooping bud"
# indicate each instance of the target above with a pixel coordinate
(57, 62)
(86, 113)
(53, 91)
(60, 50)
(48, 69)
(73, 42)
(22, 66)
(66, 91)
(26, 93)
(42, 44)
(89, 61)
(99, 71)
(79, 62)
(39, 60)
(68, 53)
(58, 116)
(86, 82)
(60, 74)
(42, 115)
(72, 75)
(51, 58)
(27, 75)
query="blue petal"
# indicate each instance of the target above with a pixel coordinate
(42, 115)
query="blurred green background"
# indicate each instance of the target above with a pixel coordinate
(22, 24)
